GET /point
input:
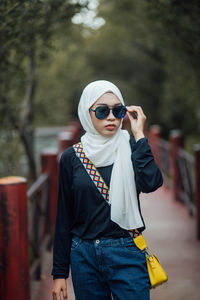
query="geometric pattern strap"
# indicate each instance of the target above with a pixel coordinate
(92, 171)
(96, 178)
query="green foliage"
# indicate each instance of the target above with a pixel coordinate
(27, 25)
(11, 158)
(150, 49)
(178, 23)
(62, 78)
(26, 31)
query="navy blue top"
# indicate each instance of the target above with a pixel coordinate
(81, 209)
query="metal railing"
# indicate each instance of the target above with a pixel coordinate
(180, 169)
(38, 230)
(185, 166)
(27, 220)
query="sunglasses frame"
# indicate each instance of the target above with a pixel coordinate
(94, 110)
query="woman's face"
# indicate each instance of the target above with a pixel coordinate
(102, 126)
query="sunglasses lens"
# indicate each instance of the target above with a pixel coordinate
(102, 112)
(119, 111)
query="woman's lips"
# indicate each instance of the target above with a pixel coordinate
(110, 126)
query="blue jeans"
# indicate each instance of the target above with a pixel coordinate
(109, 266)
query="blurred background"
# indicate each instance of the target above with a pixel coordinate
(49, 50)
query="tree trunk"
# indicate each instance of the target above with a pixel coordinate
(27, 130)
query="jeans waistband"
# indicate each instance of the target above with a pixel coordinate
(105, 241)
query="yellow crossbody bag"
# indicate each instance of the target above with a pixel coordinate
(157, 275)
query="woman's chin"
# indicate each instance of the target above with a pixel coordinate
(108, 133)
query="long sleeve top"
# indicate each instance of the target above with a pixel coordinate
(81, 209)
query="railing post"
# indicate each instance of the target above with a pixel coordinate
(197, 186)
(176, 143)
(14, 258)
(49, 164)
(154, 135)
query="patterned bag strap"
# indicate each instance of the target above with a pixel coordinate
(96, 178)
(92, 171)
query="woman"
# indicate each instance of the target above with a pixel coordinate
(92, 233)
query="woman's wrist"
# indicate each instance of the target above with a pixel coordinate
(59, 278)
(138, 136)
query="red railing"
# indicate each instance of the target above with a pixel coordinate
(39, 236)
(180, 169)
(27, 218)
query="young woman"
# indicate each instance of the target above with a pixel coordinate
(92, 233)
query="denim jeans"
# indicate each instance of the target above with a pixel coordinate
(109, 266)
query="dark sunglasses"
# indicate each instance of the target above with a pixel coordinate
(101, 112)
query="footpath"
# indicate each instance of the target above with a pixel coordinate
(171, 235)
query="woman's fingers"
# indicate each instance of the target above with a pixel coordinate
(142, 113)
(60, 286)
(56, 295)
(137, 109)
(137, 125)
(65, 293)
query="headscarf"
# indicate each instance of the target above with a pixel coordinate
(104, 151)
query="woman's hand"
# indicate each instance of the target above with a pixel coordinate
(59, 285)
(137, 125)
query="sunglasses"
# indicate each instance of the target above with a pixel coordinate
(101, 112)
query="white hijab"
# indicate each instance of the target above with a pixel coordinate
(104, 151)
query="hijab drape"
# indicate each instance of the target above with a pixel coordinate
(104, 151)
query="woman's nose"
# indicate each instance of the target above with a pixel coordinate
(110, 116)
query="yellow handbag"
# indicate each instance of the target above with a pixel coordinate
(157, 275)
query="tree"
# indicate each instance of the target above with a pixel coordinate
(26, 31)
(141, 48)
(151, 49)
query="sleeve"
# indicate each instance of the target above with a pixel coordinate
(62, 236)
(147, 174)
